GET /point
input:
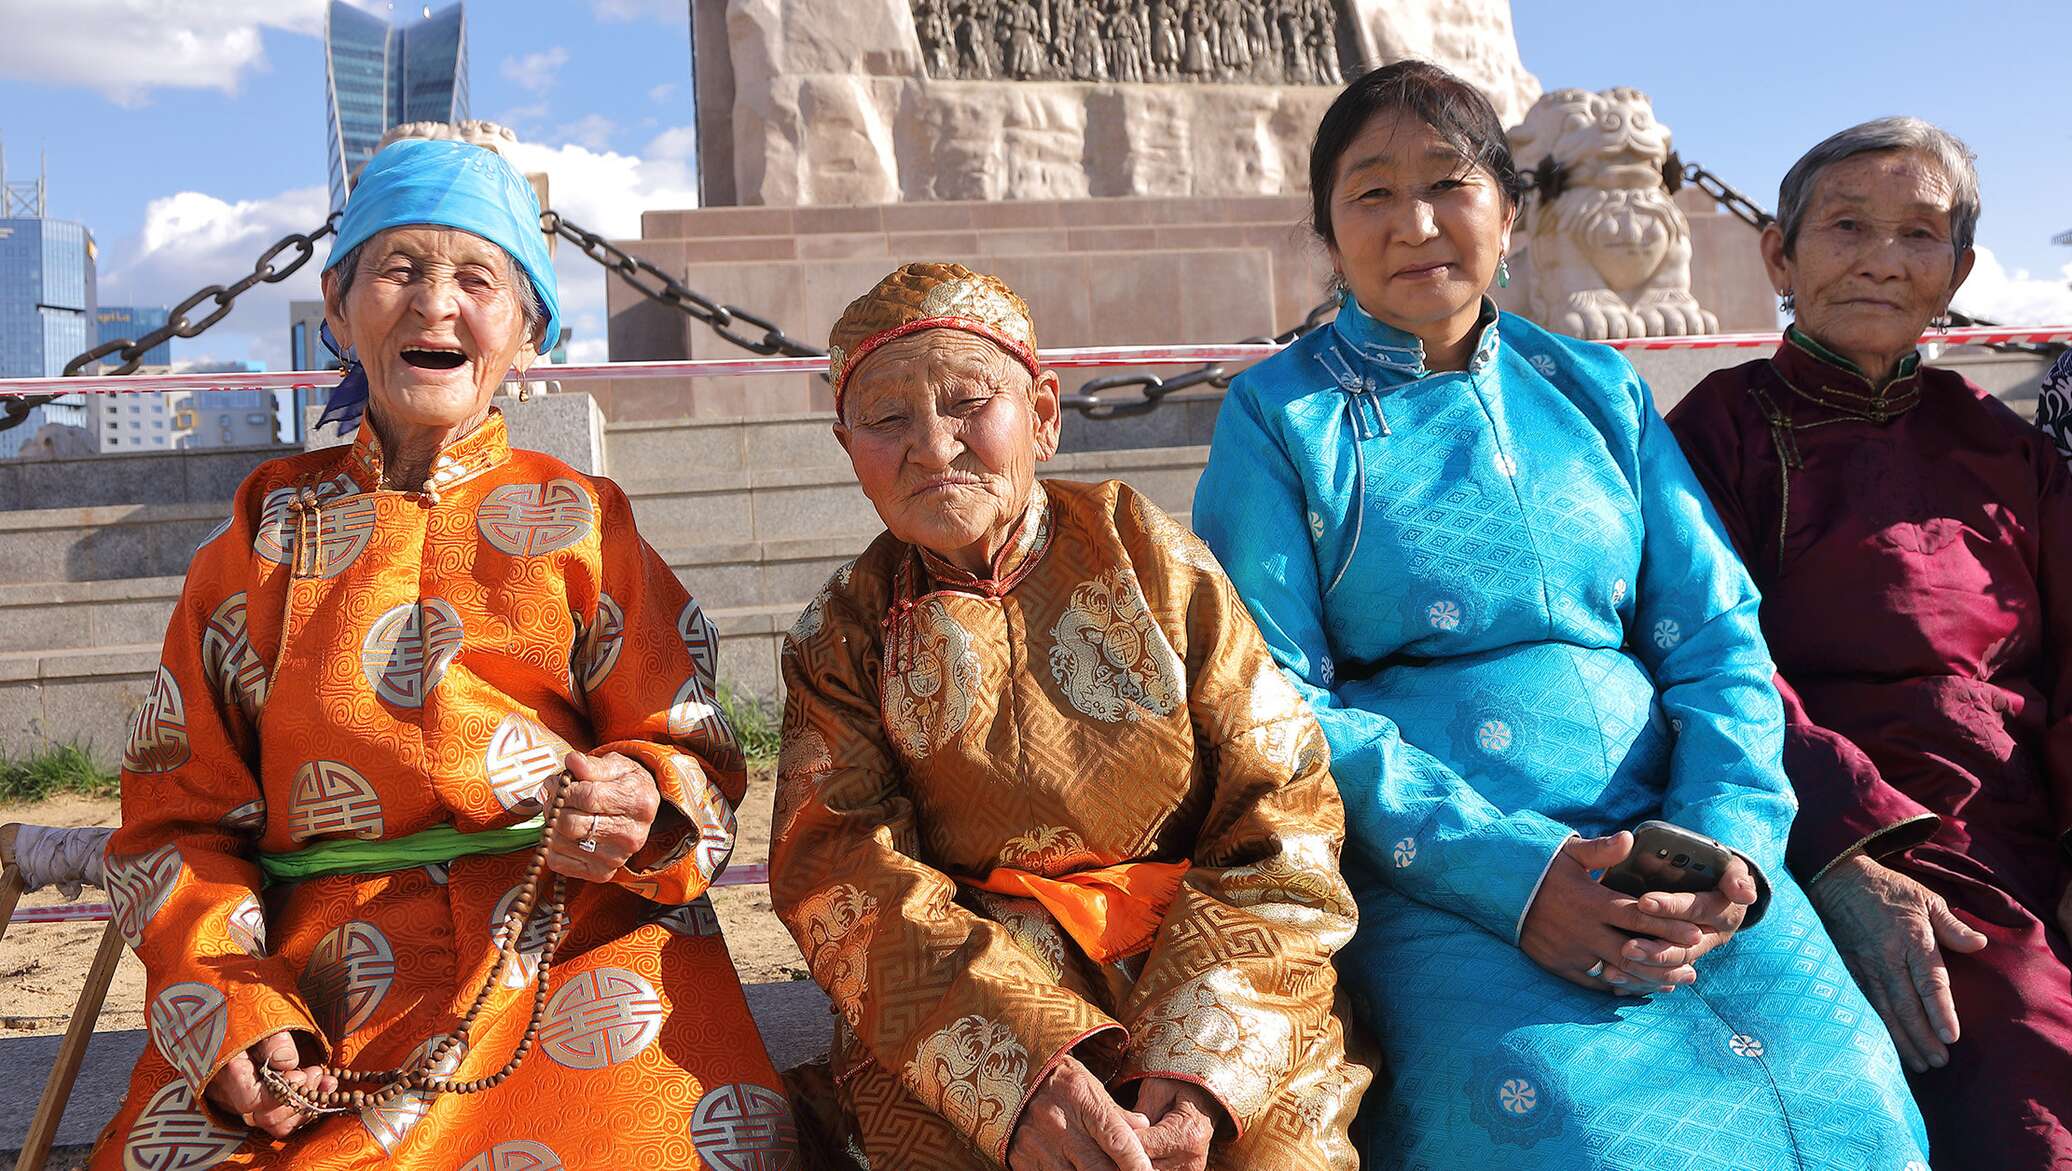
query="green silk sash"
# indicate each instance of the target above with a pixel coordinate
(441, 843)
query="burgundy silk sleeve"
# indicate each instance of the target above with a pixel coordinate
(1845, 805)
(2054, 585)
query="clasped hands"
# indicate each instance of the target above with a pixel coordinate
(1591, 935)
(1072, 1123)
(612, 804)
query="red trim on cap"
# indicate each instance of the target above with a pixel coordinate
(1016, 349)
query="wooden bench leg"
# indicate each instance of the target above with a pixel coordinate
(10, 894)
(43, 1129)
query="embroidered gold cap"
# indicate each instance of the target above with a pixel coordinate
(929, 295)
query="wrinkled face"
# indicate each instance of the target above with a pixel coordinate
(945, 431)
(1419, 229)
(1874, 260)
(436, 321)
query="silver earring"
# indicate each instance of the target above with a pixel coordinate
(1503, 271)
(1942, 321)
(1337, 287)
(1788, 302)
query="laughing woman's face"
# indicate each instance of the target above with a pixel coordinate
(437, 320)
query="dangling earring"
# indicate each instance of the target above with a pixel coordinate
(1337, 287)
(1942, 321)
(1503, 271)
(1788, 302)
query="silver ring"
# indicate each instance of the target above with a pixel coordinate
(589, 843)
(1595, 970)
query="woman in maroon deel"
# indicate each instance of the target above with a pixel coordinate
(1912, 538)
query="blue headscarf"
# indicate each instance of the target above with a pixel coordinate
(448, 184)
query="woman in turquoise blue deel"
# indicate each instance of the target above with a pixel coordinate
(1478, 551)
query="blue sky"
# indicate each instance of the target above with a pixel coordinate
(190, 135)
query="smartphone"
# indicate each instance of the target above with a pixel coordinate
(1670, 858)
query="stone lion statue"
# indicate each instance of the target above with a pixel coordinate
(1611, 251)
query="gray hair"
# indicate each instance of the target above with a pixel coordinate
(1883, 134)
(348, 269)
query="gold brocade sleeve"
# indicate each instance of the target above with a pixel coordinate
(1239, 984)
(946, 1000)
(647, 662)
(182, 871)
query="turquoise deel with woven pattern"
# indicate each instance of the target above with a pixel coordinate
(1516, 617)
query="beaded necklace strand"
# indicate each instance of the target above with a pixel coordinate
(421, 1076)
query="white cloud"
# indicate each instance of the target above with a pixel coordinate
(678, 143)
(126, 48)
(191, 239)
(604, 191)
(2015, 298)
(592, 130)
(519, 116)
(627, 11)
(662, 92)
(536, 72)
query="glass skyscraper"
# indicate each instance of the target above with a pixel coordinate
(134, 321)
(379, 75)
(47, 307)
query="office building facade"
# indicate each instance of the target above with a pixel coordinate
(378, 75)
(47, 309)
(122, 424)
(132, 322)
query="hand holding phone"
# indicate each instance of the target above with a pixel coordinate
(1671, 859)
(1681, 875)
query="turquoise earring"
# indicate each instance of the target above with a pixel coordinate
(1503, 272)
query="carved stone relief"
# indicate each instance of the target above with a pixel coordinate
(1261, 42)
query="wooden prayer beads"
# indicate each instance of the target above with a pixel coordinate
(420, 1076)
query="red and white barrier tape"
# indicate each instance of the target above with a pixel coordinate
(64, 913)
(1079, 358)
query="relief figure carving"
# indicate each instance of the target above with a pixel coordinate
(1265, 42)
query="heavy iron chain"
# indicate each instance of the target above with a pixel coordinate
(658, 285)
(1092, 399)
(1727, 196)
(1152, 389)
(268, 269)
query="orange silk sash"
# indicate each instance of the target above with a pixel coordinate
(1111, 913)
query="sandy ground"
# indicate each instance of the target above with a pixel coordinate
(42, 965)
